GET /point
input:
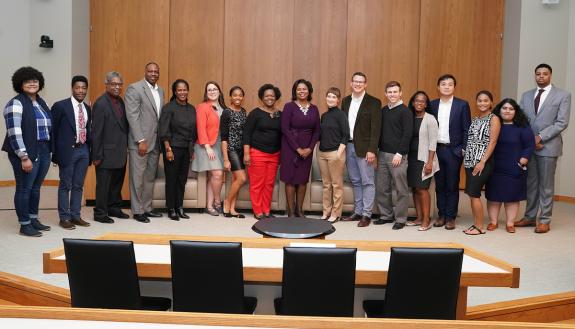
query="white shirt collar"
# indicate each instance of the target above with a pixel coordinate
(448, 101)
(547, 88)
(75, 103)
(394, 105)
(359, 97)
(154, 87)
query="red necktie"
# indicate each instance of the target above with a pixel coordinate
(81, 125)
(537, 100)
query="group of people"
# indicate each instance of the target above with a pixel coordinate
(510, 149)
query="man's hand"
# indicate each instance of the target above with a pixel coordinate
(396, 161)
(142, 148)
(97, 162)
(370, 158)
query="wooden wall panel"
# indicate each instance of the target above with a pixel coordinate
(126, 34)
(383, 42)
(258, 42)
(461, 37)
(196, 44)
(320, 43)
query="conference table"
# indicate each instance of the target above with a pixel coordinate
(263, 261)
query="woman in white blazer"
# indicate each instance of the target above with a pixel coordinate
(422, 162)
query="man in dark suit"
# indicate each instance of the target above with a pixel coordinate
(454, 118)
(71, 129)
(548, 109)
(109, 149)
(364, 117)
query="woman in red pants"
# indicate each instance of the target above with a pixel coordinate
(262, 143)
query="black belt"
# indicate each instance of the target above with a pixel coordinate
(78, 145)
(350, 141)
(444, 144)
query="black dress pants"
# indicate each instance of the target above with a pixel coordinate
(108, 191)
(176, 177)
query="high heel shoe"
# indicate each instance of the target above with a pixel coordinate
(182, 214)
(173, 215)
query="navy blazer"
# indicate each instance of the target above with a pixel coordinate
(459, 122)
(64, 130)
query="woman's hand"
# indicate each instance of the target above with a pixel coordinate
(428, 168)
(227, 165)
(478, 168)
(523, 161)
(169, 155)
(27, 165)
(247, 160)
(210, 152)
(305, 153)
(300, 151)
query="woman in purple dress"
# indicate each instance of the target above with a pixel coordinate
(300, 124)
(508, 184)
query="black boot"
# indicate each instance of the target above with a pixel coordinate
(173, 215)
(182, 214)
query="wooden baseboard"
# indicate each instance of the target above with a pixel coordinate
(564, 198)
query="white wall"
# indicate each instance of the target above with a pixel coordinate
(537, 33)
(24, 21)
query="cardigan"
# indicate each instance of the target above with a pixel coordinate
(208, 124)
(428, 142)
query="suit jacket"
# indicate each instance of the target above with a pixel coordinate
(109, 134)
(367, 128)
(143, 116)
(459, 122)
(64, 130)
(550, 121)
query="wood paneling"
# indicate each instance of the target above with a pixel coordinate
(196, 44)
(259, 44)
(383, 42)
(461, 37)
(320, 43)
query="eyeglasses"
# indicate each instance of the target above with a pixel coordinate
(356, 82)
(213, 90)
(115, 84)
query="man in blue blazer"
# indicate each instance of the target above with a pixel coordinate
(71, 129)
(547, 108)
(454, 118)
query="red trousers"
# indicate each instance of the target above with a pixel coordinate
(262, 172)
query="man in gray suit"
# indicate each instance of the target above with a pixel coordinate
(547, 108)
(144, 100)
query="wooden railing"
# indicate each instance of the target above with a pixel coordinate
(22, 291)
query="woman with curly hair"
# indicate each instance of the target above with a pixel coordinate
(508, 183)
(28, 143)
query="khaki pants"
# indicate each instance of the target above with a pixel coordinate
(331, 168)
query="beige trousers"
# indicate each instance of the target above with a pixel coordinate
(331, 168)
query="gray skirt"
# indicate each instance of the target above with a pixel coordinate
(201, 161)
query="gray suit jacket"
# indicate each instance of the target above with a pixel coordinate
(142, 114)
(550, 121)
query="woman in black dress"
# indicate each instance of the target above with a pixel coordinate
(232, 125)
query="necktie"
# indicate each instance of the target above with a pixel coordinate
(537, 100)
(81, 125)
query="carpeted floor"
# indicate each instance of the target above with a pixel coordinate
(546, 260)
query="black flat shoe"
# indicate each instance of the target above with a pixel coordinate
(104, 220)
(119, 214)
(141, 218)
(182, 214)
(173, 215)
(152, 214)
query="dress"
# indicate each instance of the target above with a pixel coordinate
(415, 166)
(299, 129)
(508, 183)
(478, 139)
(201, 161)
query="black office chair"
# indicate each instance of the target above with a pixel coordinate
(103, 274)
(422, 283)
(317, 282)
(208, 277)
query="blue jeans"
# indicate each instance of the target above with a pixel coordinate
(362, 177)
(27, 196)
(72, 183)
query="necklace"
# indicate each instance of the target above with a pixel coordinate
(303, 108)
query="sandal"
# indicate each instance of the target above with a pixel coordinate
(424, 228)
(492, 227)
(510, 229)
(212, 211)
(218, 207)
(413, 223)
(473, 230)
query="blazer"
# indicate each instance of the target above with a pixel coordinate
(367, 128)
(428, 142)
(109, 134)
(142, 114)
(64, 130)
(550, 121)
(208, 124)
(459, 122)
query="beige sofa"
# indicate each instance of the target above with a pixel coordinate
(194, 196)
(244, 200)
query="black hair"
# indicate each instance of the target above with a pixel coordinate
(446, 77)
(151, 63)
(220, 98)
(544, 66)
(234, 88)
(269, 86)
(175, 86)
(26, 73)
(294, 89)
(520, 119)
(412, 99)
(79, 78)
(486, 93)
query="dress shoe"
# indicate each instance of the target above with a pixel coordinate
(492, 227)
(79, 222)
(67, 225)
(381, 221)
(524, 222)
(141, 218)
(352, 218)
(105, 220)
(364, 221)
(29, 230)
(152, 214)
(173, 215)
(542, 228)
(439, 222)
(39, 226)
(398, 226)
(182, 214)
(119, 214)
(450, 224)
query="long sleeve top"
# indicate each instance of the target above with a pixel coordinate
(232, 128)
(178, 124)
(263, 131)
(396, 129)
(334, 130)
